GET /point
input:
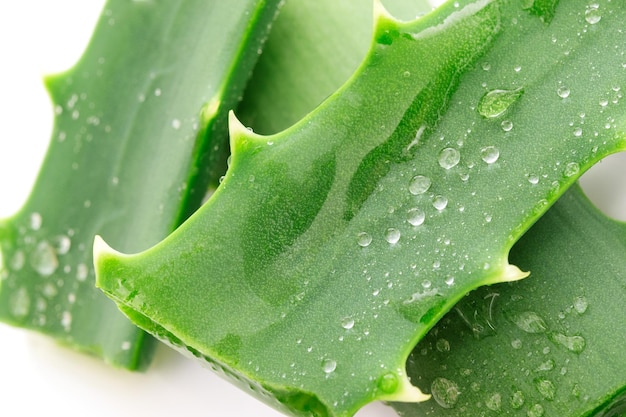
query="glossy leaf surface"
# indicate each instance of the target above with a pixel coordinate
(549, 345)
(331, 248)
(140, 121)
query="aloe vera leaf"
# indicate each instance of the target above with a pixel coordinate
(549, 345)
(140, 122)
(331, 278)
(296, 73)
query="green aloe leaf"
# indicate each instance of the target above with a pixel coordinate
(550, 345)
(139, 134)
(331, 248)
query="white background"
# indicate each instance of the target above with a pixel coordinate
(37, 376)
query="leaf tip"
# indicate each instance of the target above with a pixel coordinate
(512, 273)
(240, 135)
(101, 252)
(381, 14)
(380, 11)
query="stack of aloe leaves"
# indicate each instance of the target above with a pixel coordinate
(370, 250)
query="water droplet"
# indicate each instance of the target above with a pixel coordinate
(592, 14)
(392, 235)
(495, 102)
(506, 125)
(494, 403)
(62, 244)
(517, 400)
(546, 366)
(533, 179)
(17, 261)
(44, 259)
(406, 74)
(388, 383)
(416, 216)
(578, 132)
(49, 290)
(329, 366)
(449, 281)
(35, 221)
(516, 344)
(347, 323)
(604, 102)
(486, 66)
(530, 322)
(574, 344)
(546, 388)
(176, 124)
(440, 202)
(442, 345)
(580, 305)
(571, 169)
(19, 303)
(364, 239)
(445, 392)
(489, 154)
(157, 92)
(563, 92)
(419, 185)
(81, 272)
(536, 411)
(449, 158)
(66, 320)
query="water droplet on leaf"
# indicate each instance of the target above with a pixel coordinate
(445, 392)
(443, 345)
(563, 92)
(506, 125)
(329, 366)
(517, 400)
(574, 344)
(440, 202)
(495, 102)
(580, 305)
(19, 304)
(419, 185)
(546, 388)
(392, 235)
(494, 403)
(35, 221)
(592, 14)
(347, 323)
(62, 244)
(533, 179)
(388, 383)
(449, 158)
(18, 260)
(571, 169)
(416, 216)
(364, 239)
(536, 411)
(81, 272)
(44, 259)
(489, 154)
(530, 322)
